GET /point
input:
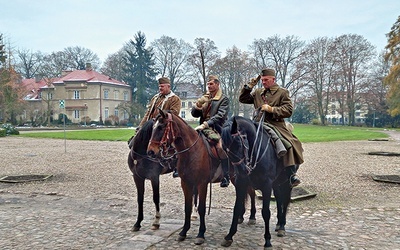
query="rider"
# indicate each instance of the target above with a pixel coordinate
(213, 108)
(277, 105)
(165, 99)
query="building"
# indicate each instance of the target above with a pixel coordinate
(189, 93)
(84, 96)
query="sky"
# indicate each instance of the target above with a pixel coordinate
(104, 26)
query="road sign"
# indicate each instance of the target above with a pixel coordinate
(62, 104)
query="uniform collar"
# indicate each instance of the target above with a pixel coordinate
(217, 95)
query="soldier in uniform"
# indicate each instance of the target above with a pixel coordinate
(277, 105)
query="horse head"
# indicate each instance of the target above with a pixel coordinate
(162, 136)
(236, 144)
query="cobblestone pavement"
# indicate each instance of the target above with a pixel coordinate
(90, 201)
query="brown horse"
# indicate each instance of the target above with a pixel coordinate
(144, 167)
(195, 166)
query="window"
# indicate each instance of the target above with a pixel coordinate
(76, 114)
(183, 104)
(116, 94)
(184, 94)
(190, 104)
(125, 96)
(106, 94)
(106, 114)
(76, 94)
(116, 112)
(126, 116)
(49, 96)
(183, 114)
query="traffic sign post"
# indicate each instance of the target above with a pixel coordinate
(62, 106)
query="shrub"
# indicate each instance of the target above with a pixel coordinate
(3, 132)
(10, 130)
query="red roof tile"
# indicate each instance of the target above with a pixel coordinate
(88, 76)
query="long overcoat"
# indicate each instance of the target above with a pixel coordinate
(278, 98)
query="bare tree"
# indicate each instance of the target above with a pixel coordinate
(317, 61)
(114, 65)
(79, 56)
(28, 63)
(171, 58)
(354, 55)
(280, 54)
(233, 71)
(203, 58)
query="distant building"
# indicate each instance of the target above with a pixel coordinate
(189, 93)
(83, 93)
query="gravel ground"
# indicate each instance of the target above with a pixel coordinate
(340, 173)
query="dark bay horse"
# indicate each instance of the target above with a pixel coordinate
(195, 166)
(144, 167)
(256, 163)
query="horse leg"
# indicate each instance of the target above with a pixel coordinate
(202, 196)
(252, 194)
(266, 213)
(188, 193)
(195, 198)
(241, 188)
(139, 182)
(156, 199)
(282, 194)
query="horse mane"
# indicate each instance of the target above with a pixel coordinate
(142, 137)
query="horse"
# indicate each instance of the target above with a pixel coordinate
(256, 164)
(144, 167)
(195, 166)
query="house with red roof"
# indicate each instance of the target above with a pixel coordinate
(82, 95)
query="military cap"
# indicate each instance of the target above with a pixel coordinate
(164, 80)
(213, 78)
(268, 72)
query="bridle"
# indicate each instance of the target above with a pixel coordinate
(167, 150)
(248, 161)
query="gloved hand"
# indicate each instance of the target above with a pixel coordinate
(266, 107)
(201, 127)
(202, 100)
(253, 81)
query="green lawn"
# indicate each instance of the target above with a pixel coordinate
(306, 133)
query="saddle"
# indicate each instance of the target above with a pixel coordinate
(213, 149)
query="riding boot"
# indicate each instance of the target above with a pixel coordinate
(225, 169)
(291, 172)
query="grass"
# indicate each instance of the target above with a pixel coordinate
(313, 133)
(305, 133)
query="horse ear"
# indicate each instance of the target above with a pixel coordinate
(234, 126)
(161, 112)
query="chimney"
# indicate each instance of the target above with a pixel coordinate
(88, 67)
(37, 78)
(65, 72)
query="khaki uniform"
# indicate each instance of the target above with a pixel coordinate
(169, 102)
(278, 98)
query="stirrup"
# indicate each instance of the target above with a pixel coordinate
(224, 182)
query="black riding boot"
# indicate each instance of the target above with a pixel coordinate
(225, 169)
(293, 179)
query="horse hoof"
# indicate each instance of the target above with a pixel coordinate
(251, 222)
(193, 217)
(281, 233)
(181, 238)
(135, 229)
(199, 241)
(240, 220)
(226, 243)
(268, 245)
(155, 227)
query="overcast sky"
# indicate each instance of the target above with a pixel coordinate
(104, 26)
